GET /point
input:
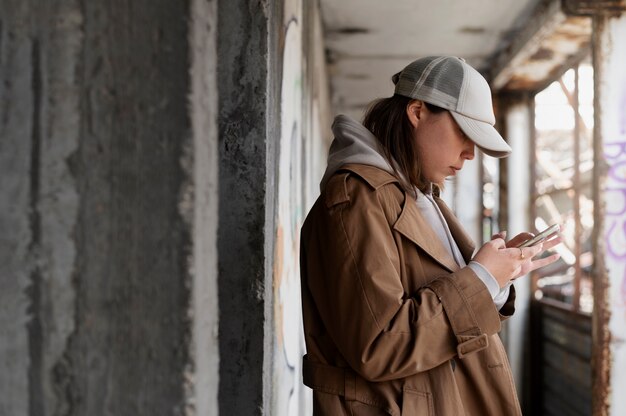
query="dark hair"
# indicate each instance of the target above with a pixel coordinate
(387, 120)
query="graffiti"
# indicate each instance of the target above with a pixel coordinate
(615, 232)
(615, 235)
(287, 386)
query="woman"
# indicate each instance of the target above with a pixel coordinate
(399, 318)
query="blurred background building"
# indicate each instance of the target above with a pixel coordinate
(157, 160)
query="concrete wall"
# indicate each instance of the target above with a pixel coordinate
(156, 164)
(273, 106)
(102, 156)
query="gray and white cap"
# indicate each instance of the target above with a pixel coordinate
(449, 82)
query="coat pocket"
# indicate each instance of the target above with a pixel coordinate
(417, 403)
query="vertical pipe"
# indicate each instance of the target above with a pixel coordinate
(577, 190)
(532, 183)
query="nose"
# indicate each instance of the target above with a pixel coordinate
(468, 152)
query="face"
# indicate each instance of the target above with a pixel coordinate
(442, 145)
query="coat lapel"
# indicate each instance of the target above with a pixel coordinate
(463, 240)
(413, 226)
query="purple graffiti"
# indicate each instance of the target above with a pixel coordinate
(617, 251)
(618, 171)
(615, 234)
(614, 150)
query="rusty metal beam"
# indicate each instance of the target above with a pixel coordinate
(601, 334)
(552, 39)
(592, 7)
(545, 18)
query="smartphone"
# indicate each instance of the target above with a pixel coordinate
(548, 232)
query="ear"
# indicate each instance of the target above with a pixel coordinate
(415, 111)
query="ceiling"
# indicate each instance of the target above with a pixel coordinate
(368, 41)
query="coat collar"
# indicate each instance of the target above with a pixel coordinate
(414, 226)
(374, 176)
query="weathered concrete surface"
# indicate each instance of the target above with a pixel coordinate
(203, 188)
(102, 180)
(244, 128)
(130, 346)
(18, 217)
(40, 127)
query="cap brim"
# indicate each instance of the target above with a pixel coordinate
(484, 135)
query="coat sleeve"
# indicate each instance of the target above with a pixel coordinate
(353, 271)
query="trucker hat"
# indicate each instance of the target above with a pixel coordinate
(449, 82)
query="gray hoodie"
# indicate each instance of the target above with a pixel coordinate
(354, 143)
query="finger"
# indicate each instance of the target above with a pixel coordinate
(536, 264)
(501, 234)
(533, 250)
(552, 242)
(527, 253)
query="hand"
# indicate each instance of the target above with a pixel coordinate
(506, 262)
(531, 264)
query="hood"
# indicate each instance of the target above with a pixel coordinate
(353, 143)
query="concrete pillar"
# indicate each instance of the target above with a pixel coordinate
(249, 129)
(20, 217)
(202, 188)
(609, 58)
(519, 119)
(108, 208)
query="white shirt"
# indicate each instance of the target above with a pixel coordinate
(433, 216)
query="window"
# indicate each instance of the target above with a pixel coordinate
(563, 155)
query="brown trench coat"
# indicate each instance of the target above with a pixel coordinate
(392, 325)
